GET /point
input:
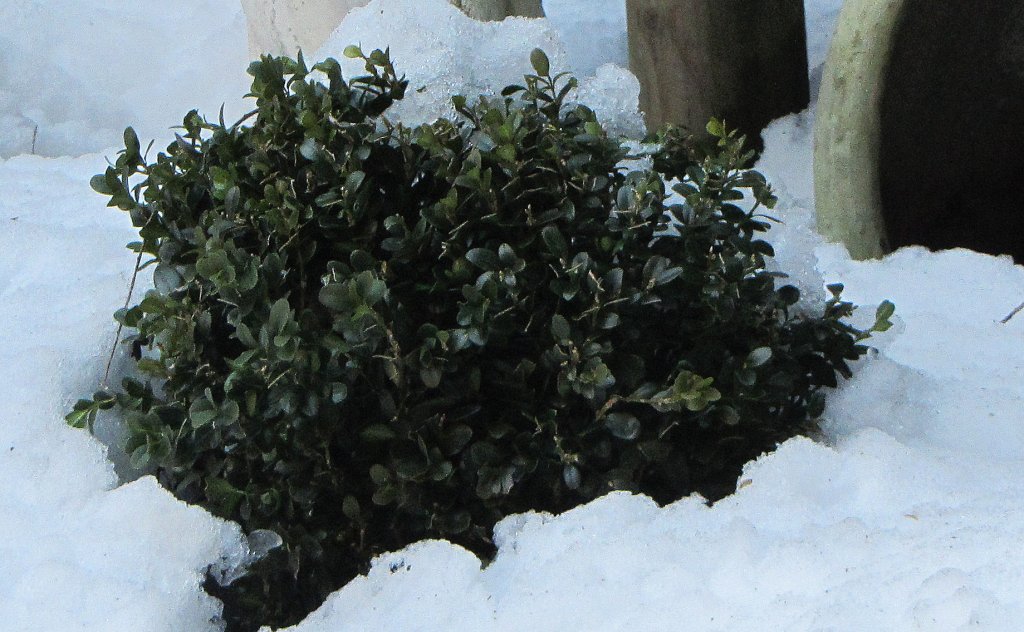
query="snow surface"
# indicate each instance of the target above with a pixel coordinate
(77, 551)
(906, 515)
(82, 70)
(460, 55)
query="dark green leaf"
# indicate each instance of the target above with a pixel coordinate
(280, 313)
(540, 62)
(623, 425)
(99, 185)
(483, 258)
(350, 507)
(431, 377)
(560, 329)
(202, 412)
(555, 241)
(377, 432)
(758, 357)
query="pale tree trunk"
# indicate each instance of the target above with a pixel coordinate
(741, 60)
(282, 27)
(494, 10)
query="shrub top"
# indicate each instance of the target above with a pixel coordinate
(362, 334)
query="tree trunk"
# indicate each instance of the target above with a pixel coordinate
(282, 27)
(744, 61)
(494, 10)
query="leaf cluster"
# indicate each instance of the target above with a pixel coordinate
(363, 334)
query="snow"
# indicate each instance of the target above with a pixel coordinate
(79, 552)
(905, 515)
(124, 61)
(820, 18)
(459, 55)
(594, 33)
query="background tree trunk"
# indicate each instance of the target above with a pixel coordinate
(282, 27)
(741, 60)
(493, 10)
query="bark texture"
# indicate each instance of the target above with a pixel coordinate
(741, 60)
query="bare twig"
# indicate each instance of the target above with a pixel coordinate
(35, 134)
(1016, 310)
(120, 325)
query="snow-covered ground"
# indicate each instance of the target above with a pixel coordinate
(907, 516)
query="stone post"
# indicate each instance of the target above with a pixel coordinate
(741, 60)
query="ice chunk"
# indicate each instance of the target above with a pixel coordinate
(593, 31)
(442, 51)
(614, 95)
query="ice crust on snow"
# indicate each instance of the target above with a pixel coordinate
(905, 515)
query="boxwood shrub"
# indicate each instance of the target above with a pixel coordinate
(363, 334)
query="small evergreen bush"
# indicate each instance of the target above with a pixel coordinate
(362, 334)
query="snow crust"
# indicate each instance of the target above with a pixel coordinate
(905, 515)
(78, 551)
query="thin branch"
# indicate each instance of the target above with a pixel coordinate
(1016, 310)
(120, 325)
